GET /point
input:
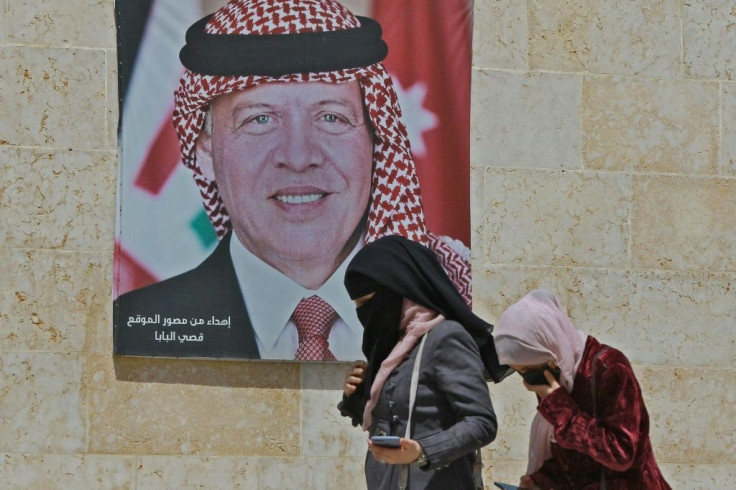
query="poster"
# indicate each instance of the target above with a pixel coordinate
(293, 176)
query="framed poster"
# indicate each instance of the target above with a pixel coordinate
(261, 144)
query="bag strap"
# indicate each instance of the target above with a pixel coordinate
(595, 408)
(404, 476)
(414, 384)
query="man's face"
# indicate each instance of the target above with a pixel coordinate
(293, 164)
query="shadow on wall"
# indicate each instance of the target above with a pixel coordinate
(234, 374)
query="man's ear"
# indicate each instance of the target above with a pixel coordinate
(203, 151)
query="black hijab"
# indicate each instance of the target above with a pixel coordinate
(394, 267)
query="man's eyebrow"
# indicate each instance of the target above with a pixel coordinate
(346, 103)
(339, 101)
(250, 105)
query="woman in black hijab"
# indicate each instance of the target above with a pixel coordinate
(403, 294)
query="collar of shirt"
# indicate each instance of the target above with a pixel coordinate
(270, 296)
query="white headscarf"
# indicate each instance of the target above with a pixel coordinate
(533, 331)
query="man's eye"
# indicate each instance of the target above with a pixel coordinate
(332, 123)
(258, 124)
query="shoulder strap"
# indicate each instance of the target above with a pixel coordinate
(414, 384)
(404, 476)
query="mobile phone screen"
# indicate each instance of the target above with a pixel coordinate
(387, 441)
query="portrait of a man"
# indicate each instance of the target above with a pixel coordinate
(292, 129)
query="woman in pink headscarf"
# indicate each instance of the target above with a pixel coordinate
(592, 427)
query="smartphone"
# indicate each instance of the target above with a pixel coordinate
(505, 486)
(536, 377)
(386, 441)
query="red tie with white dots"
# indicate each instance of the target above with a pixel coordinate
(314, 318)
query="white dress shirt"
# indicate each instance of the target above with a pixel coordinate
(270, 298)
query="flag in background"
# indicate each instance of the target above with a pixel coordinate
(429, 59)
(162, 228)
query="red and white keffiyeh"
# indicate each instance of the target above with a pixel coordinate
(395, 203)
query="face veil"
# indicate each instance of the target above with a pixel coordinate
(394, 268)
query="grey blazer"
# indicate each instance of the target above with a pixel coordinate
(453, 415)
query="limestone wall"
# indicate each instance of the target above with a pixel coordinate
(603, 163)
(603, 166)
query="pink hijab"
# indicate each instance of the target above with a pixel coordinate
(416, 320)
(533, 331)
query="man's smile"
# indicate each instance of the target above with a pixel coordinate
(299, 198)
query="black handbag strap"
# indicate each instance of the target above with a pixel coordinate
(595, 408)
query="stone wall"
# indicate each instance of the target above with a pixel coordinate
(603, 163)
(603, 166)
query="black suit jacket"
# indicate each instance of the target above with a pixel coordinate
(200, 313)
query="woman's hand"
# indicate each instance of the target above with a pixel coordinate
(543, 391)
(526, 482)
(354, 377)
(407, 453)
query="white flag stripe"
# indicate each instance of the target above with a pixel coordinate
(155, 229)
(150, 95)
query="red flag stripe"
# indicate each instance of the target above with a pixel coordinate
(161, 159)
(430, 42)
(131, 274)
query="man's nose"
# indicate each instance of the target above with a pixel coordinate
(299, 146)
